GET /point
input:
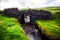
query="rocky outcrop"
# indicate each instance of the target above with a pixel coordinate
(12, 12)
(34, 14)
(40, 15)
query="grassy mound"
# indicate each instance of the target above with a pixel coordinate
(10, 29)
(51, 28)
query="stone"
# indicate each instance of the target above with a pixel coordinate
(34, 14)
(12, 12)
(40, 15)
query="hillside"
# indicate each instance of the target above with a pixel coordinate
(51, 28)
(10, 29)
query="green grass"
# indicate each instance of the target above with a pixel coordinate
(51, 9)
(10, 29)
(51, 28)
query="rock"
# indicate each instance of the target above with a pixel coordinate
(12, 12)
(34, 14)
(39, 15)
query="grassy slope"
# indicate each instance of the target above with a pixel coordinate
(10, 29)
(51, 27)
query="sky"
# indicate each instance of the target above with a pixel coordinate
(28, 3)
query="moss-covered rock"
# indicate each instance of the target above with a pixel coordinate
(10, 29)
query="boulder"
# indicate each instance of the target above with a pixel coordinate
(12, 12)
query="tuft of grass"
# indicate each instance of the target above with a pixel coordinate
(10, 29)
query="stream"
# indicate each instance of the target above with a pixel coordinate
(31, 32)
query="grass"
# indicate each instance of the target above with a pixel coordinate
(50, 28)
(10, 29)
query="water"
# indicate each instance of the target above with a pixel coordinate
(33, 35)
(32, 32)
